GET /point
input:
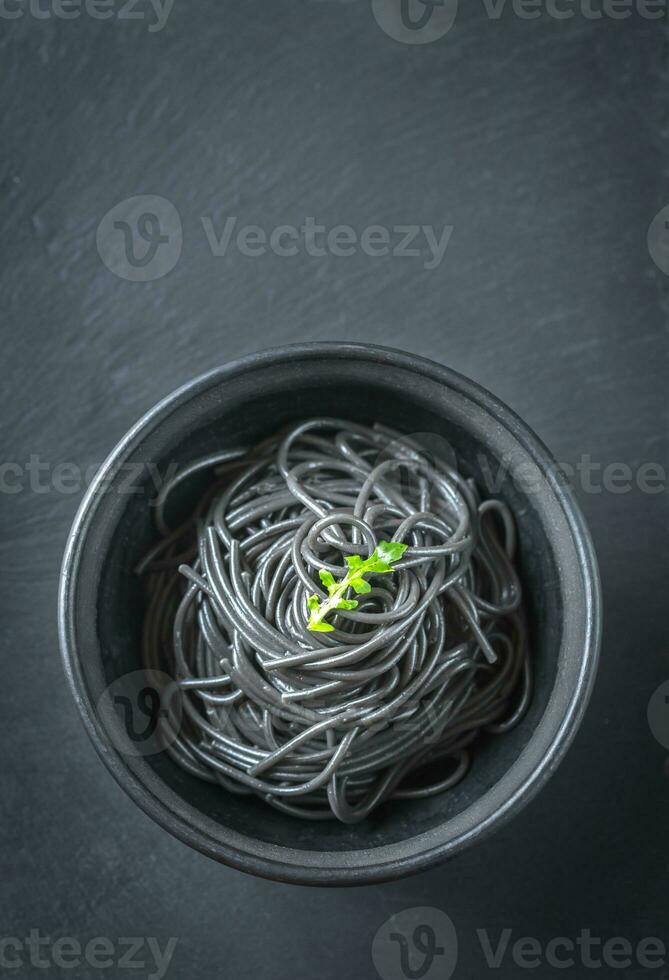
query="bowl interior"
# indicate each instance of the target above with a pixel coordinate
(242, 408)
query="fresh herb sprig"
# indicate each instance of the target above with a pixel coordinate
(380, 562)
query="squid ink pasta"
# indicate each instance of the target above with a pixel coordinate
(342, 620)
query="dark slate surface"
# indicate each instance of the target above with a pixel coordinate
(542, 143)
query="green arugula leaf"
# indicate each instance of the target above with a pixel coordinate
(390, 551)
(347, 604)
(380, 562)
(327, 578)
(321, 627)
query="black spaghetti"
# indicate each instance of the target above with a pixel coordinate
(409, 665)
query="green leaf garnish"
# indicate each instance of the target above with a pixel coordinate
(380, 562)
(354, 561)
(390, 551)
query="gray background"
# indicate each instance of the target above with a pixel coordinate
(543, 144)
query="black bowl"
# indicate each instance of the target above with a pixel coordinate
(101, 605)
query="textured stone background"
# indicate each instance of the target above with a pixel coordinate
(542, 144)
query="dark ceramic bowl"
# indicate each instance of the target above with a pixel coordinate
(101, 606)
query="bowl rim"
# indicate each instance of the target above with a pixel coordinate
(344, 867)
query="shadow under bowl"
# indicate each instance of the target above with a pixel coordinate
(101, 605)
